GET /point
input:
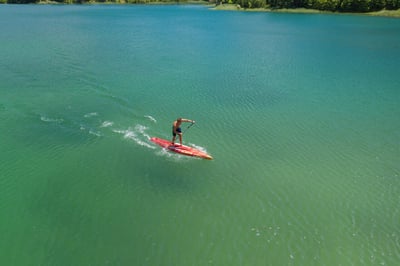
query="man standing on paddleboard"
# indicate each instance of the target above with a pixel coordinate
(176, 129)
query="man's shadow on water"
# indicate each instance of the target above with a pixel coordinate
(171, 174)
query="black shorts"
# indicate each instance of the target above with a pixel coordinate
(177, 130)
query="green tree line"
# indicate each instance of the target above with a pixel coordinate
(324, 5)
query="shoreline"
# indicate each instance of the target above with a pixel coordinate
(233, 7)
(120, 2)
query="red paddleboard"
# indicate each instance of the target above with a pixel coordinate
(181, 149)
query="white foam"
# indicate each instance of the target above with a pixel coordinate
(141, 130)
(91, 114)
(107, 124)
(118, 131)
(96, 133)
(151, 118)
(137, 134)
(164, 152)
(129, 134)
(51, 120)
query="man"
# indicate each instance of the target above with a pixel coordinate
(176, 129)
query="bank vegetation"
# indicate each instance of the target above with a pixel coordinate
(378, 7)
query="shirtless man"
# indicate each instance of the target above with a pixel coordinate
(176, 129)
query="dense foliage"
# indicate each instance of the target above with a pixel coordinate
(325, 5)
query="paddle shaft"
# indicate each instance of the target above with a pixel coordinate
(188, 127)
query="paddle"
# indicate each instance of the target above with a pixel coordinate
(188, 127)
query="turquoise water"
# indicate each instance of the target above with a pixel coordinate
(300, 112)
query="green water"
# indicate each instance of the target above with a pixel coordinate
(300, 112)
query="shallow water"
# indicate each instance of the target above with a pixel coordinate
(299, 111)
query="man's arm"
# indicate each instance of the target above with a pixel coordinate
(188, 120)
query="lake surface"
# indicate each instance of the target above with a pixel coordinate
(300, 112)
